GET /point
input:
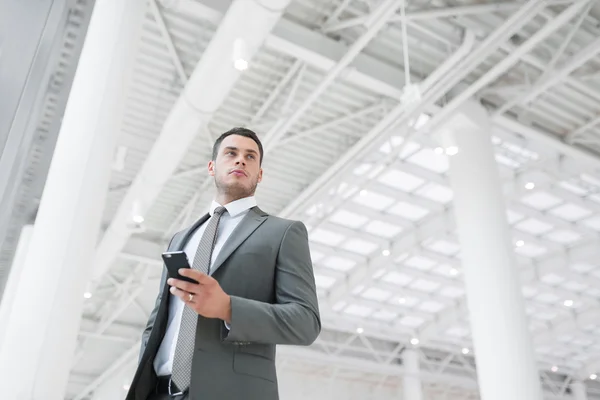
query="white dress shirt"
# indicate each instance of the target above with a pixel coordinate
(236, 211)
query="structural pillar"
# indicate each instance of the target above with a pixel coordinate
(37, 351)
(14, 280)
(412, 375)
(506, 365)
(579, 390)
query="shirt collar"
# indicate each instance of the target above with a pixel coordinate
(235, 207)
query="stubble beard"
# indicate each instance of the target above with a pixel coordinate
(234, 191)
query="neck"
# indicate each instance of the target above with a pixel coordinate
(224, 198)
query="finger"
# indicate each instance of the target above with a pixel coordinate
(179, 293)
(183, 285)
(196, 275)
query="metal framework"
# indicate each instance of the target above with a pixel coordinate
(347, 126)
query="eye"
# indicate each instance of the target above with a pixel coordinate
(251, 156)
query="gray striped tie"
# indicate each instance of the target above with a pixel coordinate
(184, 350)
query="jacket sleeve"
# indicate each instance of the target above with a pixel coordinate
(152, 317)
(294, 318)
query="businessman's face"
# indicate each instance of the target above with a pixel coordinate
(237, 168)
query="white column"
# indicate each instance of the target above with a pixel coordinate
(579, 390)
(506, 364)
(40, 338)
(412, 375)
(14, 280)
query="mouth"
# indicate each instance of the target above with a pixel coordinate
(238, 172)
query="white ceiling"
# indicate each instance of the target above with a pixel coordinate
(379, 212)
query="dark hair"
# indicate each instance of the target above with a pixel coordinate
(245, 132)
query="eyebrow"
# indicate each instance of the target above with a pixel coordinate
(236, 149)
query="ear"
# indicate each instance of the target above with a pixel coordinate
(260, 173)
(211, 168)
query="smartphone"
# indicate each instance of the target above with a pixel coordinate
(174, 261)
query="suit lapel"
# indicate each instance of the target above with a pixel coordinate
(251, 221)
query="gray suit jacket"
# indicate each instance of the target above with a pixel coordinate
(265, 266)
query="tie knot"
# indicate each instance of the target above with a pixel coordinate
(219, 211)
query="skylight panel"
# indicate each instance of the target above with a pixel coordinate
(564, 236)
(444, 247)
(426, 158)
(552, 279)
(548, 298)
(531, 250)
(338, 263)
(411, 322)
(316, 256)
(575, 286)
(593, 223)
(570, 212)
(452, 292)
(541, 200)
(401, 180)
(376, 294)
(326, 237)
(348, 219)
(411, 212)
(533, 226)
(382, 229)
(385, 315)
(457, 331)
(373, 200)
(435, 192)
(431, 306)
(392, 142)
(360, 246)
(529, 291)
(425, 285)
(359, 311)
(581, 267)
(323, 281)
(420, 262)
(397, 278)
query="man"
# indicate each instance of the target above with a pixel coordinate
(216, 339)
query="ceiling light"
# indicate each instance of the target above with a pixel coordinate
(87, 295)
(385, 253)
(438, 150)
(136, 213)
(465, 350)
(240, 64)
(554, 368)
(363, 192)
(126, 387)
(452, 150)
(568, 303)
(240, 56)
(520, 243)
(593, 377)
(529, 185)
(359, 330)
(414, 341)
(401, 300)
(453, 272)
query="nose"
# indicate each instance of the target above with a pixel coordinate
(240, 160)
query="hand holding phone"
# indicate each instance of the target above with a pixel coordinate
(174, 261)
